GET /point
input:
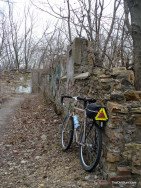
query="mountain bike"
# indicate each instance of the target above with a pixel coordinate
(87, 132)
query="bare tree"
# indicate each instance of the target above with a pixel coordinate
(116, 5)
(14, 28)
(59, 14)
(28, 32)
(134, 7)
(109, 41)
(2, 34)
(19, 42)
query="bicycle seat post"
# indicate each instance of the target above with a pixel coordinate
(85, 104)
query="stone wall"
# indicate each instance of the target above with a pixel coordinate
(113, 88)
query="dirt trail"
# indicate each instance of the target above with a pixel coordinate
(30, 152)
(7, 109)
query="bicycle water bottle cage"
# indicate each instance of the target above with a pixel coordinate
(97, 112)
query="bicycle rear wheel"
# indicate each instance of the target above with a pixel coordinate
(67, 132)
(90, 149)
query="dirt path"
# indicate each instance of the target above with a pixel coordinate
(7, 109)
(30, 152)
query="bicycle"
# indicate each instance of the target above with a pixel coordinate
(87, 135)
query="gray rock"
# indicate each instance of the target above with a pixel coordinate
(44, 137)
(38, 157)
(117, 96)
(24, 161)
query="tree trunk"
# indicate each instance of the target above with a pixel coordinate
(135, 12)
(137, 56)
(69, 17)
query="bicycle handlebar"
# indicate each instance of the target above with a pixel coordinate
(84, 99)
(90, 100)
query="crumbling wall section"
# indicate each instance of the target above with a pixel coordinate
(113, 88)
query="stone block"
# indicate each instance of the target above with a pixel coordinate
(117, 96)
(132, 95)
(119, 69)
(111, 174)
(123, 171)
(35, 81)
(110, 166)
(103, 76)
(136, 170)
(122, 72)
(113, 157)
(117, 85)
(136, 159)
(126, 85)
(137, 120)
(113, 147)
(129, 138)
(79, 48)
(114, 107)
(112, 125)
(104, 184)
(106, 87)
(115, 135)
(132, 153)
(64, 78)
(133, 146)
(98, 71)
(127, 155)
(139, 184)
(137, 134)
(106, 80)
(119, 178)
(136, 110)
(82, 76)
(115, 121)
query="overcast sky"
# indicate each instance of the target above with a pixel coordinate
(41, 19)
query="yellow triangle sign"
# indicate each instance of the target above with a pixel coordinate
(101, 115)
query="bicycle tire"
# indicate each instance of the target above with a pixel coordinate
(66, 140)
(95, 147)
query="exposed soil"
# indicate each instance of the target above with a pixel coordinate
(7, 109)
(30, 151)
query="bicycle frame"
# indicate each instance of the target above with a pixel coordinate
(87, 133)
(83, 127)
(71, 111)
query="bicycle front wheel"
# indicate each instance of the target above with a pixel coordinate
(90, 148)
(67, 132)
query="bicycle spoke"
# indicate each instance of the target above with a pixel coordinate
(90, 152)
(67, 133)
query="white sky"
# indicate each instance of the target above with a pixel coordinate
(41, 19)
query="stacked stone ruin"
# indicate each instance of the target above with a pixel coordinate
(121, 158)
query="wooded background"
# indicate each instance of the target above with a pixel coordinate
(114, 34)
